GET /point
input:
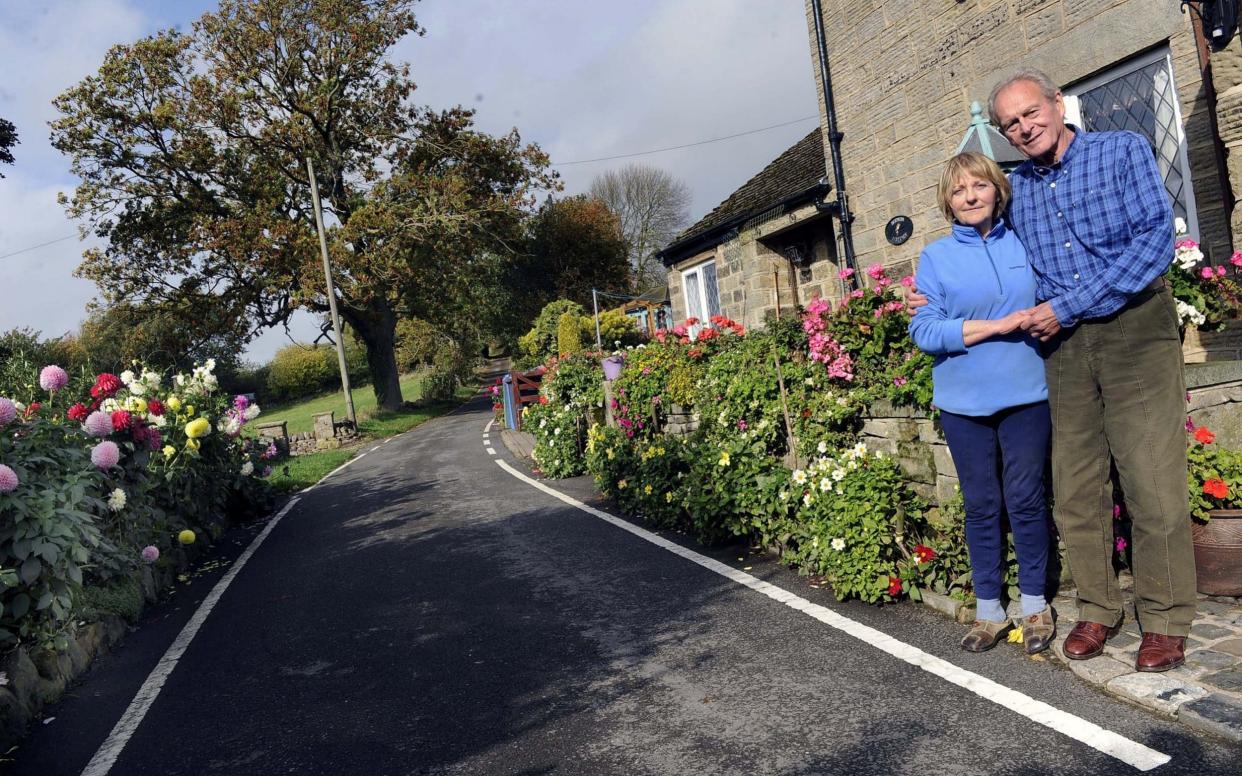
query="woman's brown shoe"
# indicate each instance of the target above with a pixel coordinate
(1038, 631)
(983, 635)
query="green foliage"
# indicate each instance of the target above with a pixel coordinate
(736, 487)
(451, 366)
(576, 381)
(559, 437)
(540, 343)
(299, 371)
(417, 342)
(854, 524)
(49, 536)
(121, 597)
(569, 334)
(616, 329)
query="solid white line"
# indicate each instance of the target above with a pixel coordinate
(111, 748)
(373, 449)
(488, 427)
(1077, 728)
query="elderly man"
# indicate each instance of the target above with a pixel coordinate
(1096, 221)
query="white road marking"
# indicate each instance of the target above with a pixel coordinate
(488, 427)
(386, 441)
(1077, 728)
(373, 449)
(491, 451)
(111, 748)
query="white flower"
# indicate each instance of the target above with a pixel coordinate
(556, 431)
(841, 400)
(807, 500)
(1188, 257)
(247, 469)
(151, 379)
(825, 484)
(230, 426)
(1187, 312)
(128, 376)
(822, 447)
(251, 412)
(838, 544)
(860, 450)
(159, 421)
(838, 474)
(783, 495)
(799, 477)
(116, 500)
(879, 454)
(1179, 226)
(543, 422)
(110, 405)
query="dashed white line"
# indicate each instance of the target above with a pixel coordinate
(1113, 744)
(491, 451)
(107, 754)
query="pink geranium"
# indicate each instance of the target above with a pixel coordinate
(1206, 273)
(876, 272)
(846, 273)
(1236, 259)
(105, 455)
(53, 378)
(908, 281)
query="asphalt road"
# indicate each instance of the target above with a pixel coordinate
(425, 612)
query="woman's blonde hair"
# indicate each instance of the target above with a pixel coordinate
(978, 166)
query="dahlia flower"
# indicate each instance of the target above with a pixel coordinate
(116, 500)
(98, 424)
(8, 479)
(199, 427)
(186, 537)
(105, 455)
(8, 411)
(53, 378)
(150, 553)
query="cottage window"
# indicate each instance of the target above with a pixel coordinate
(702, 296)
(1139, 95)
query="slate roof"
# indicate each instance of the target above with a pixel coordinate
(793, 175)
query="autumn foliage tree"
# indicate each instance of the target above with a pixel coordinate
(192, 149)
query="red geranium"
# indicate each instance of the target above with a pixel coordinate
(121, 420)
(105, 385)
(78, 412)
(894, 586)
(1216, 488)
(1203, 436)
(923, 553)
(155, 407)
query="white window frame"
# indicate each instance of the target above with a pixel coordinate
(698, 308)
(1073, 115)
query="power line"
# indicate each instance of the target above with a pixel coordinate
(686, 145)
(40, 245)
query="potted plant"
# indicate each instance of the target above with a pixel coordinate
(613, 365)
(1215, 482)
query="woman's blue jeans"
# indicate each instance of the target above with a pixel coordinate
(1000, 462)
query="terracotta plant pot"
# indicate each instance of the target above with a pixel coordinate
(1218, 552)
(612, 367)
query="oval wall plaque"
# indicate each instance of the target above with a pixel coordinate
(899, 229)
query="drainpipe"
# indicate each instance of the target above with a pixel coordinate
(840, 208)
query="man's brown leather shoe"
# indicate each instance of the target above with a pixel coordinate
(1159, 652)
(1086, 639)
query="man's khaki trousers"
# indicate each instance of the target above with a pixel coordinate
(1116, 388)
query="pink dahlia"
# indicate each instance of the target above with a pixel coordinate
(8, 479)
(53, 378)
(7, 411)
(150, 553)
(98, 424)
(105, 455)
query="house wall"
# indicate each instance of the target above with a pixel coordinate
(905, 72)
(754, 281)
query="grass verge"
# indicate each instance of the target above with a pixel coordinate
(300, 416)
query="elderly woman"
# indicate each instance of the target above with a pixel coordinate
(989, 386)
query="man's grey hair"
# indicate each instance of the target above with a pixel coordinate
(1030, 74)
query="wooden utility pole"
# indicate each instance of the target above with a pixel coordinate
(327, 273)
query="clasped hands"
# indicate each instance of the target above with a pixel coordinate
(1039, 321)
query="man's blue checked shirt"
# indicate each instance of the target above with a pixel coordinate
(1098, 225)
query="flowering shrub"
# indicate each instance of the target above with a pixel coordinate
(1214, 476)
(575, 380)
(556, 428)
(855, 524)
(1205, 296)
(98, 472)
(734, 490)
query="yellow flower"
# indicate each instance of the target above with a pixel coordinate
(169, 451)
(192, 444)
(199, 427)
(136, 404)
(668, 497)
(621, 485)
(611, 454)
(186, 537)
(173, 403)
(189, 410)
(724, 459)
(1015, 636)
(647, 489)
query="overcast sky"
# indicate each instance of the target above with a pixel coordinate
(582, 78)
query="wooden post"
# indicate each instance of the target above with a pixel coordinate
(790, 439)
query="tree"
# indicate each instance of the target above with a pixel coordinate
(192, 152)
(8, 139)
(653, 207)
(575, 244)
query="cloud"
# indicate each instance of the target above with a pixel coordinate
(583, 80)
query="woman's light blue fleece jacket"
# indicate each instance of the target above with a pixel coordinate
(967, 277)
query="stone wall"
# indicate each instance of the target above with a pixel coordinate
(914, 440)
(905, 72)
(1216, 399)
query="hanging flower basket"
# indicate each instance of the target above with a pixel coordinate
(613, 366)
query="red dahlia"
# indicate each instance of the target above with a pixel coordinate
(155, 407)
(78, 412)
(121, 420)
(105, 385)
